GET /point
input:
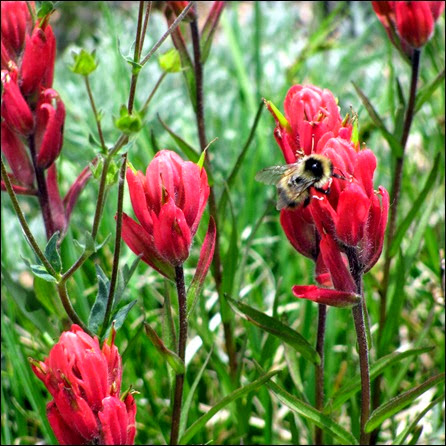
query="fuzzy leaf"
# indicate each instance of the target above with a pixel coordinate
(52, 253)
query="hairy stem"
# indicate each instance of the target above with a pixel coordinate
(318, 433)
(363, 348)
(179, 380)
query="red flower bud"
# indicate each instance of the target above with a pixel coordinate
(85, 382)
(17, 156)
(16, 19)
(37, 67)
(168, 202)
(15, 110)
(415, 21)
(177, 8)
(50, 117)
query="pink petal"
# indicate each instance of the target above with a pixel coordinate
(326, 296)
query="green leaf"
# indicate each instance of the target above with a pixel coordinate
(52, 254)
(191, 153)
(45, 9)
(312, 414)
(84, 63)
(398, 403)
(128, 123)
(400, 439)
(171, 357)
(354, 385)
(44, 293)
(393, 142)
(428, 90)
(39, 271)
(170, 61)
(97, 312)
(238, 393)
(404, 226)
(119, 317)
(188, 401)
(277, 328)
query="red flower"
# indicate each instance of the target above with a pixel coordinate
(310, 113)
(15, 153)
(50, 117)
(38, 60)
(349, 222)
(168, 202)
(413, 21)
(16, 21)
(85, 382)
(15, 110)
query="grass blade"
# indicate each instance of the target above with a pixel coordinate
(400, 402)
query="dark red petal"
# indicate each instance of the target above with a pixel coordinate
(63, 431)
(140, 242)
(352, 212)
(414, 22)
(138, 199)
(340, 274)
(113, 417)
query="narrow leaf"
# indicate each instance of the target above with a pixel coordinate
(39, 271)
(241, 391)
(52, 254)
(404, 226)
(354, 385)
(393, 142)
(172, 358)
(191, 153)
(411, 427)
(97, 312)
(428, 90)
(398, 403)
(120, 316)
(204, 262)
(312, 414)
(277, 328)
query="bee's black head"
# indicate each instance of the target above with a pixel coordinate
(314, 166)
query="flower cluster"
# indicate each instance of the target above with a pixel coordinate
(168, 201)
(408, 24)
(85, 382)
(33, 113)
(341, 231)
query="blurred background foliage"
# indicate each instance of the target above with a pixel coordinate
(260, 50)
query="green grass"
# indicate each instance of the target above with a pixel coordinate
(259, 50)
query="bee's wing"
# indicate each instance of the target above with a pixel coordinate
(272, 175)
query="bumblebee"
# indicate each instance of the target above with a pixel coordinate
(293, 181)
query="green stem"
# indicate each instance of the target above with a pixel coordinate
(171, 29)
(179, 380)
(318, 433)
(96, 115)
(24, 224)
(117, 251)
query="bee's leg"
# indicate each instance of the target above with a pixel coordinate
(323, 191)
(307, 201)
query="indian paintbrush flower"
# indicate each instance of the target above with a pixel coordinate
(168, 201)
(348, 222)
(85, 383)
